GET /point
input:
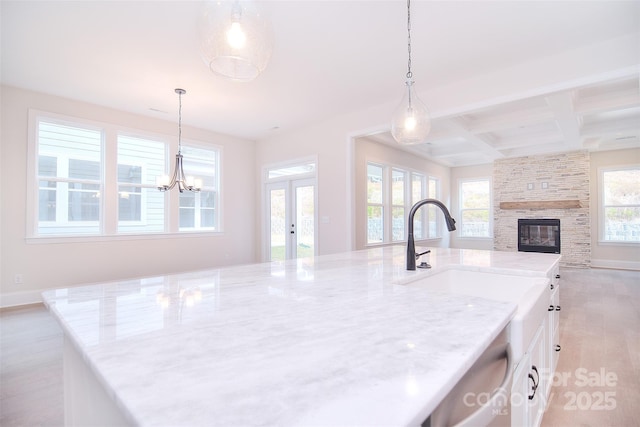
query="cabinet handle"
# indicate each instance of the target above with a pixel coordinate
(536, 381)
(557, 308)
(552, 286)
(551, 308)
(557, 276)
(558, 347)
(534, 387)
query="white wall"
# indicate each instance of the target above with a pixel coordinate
(332, 143)
(609, 255)
(332, 139)
(47, 266)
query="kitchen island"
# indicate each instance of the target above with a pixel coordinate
(335, 339)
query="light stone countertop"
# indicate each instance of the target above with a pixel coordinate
(337, 339)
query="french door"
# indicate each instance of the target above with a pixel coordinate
(290, 216)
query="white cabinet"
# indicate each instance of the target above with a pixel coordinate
(553, 329)
(533, 376)
(528, 397)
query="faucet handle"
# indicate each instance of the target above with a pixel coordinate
(422, 253)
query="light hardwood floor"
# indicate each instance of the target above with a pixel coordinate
(597, 382)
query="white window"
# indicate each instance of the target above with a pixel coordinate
(375, 203)
(433, 192)
(475, 208)
(199, 211)
(140, 204)
(398, 189)
(620, 204)
(69, 176)
(423, 187)
(391, 192)
(99, 179)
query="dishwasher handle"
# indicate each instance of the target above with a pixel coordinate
(499, 398)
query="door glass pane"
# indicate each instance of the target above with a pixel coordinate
(277, 225)
(305, 214)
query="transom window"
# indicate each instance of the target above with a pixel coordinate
(98, 179)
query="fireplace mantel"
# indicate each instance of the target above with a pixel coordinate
(542, 204)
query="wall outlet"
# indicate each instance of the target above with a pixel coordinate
(18, 279)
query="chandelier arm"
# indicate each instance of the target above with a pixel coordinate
(183, 180)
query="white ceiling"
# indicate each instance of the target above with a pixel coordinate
(331, 58)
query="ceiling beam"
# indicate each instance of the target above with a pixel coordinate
(620, 100)
(509, 120)
(480, 143)
(561, 105)
(612, 128)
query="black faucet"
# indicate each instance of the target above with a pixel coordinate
(411, 246)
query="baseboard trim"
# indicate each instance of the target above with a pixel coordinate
(615, 264)
(16, 299)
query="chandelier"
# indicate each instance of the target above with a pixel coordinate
(410, 124)
(235, 39)
(183, 182)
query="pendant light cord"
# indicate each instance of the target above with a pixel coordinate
(409, 74)
(180, 123)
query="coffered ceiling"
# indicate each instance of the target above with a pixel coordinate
(333, 58)
(602, 116)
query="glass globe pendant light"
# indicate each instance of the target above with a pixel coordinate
(235, 40)
(410, 123)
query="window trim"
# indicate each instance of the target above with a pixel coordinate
(218, 191)
(489, 208)
(601, 205)
(387, 202)
(108, 230)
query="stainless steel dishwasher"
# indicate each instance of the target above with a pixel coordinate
(483, 396)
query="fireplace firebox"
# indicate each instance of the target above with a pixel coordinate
(539, 235)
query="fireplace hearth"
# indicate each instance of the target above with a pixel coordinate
(539, 235)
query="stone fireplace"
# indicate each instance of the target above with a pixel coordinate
(544, 187)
